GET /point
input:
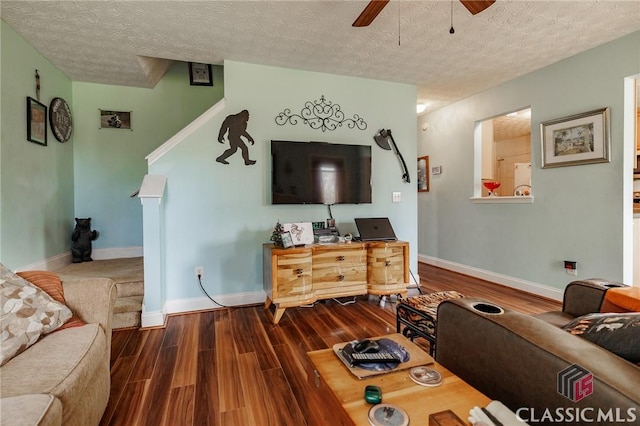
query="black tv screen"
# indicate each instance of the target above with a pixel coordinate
(320, 173)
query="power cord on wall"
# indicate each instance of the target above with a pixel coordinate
(207, 294)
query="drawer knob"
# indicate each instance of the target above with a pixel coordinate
(340, 277)
(298, 271)
(387, 263)
(340, 258)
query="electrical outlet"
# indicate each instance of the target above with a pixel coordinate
(571, 267)
(199, 272)
(396, 197)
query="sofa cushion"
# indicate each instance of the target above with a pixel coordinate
(27, 313)
(51, 283)
(30, 410)
(65, 362)
(556, 318)
(616, 332)
(622, 299)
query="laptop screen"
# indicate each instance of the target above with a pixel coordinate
(375, 229)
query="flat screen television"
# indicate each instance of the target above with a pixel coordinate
(320, 173)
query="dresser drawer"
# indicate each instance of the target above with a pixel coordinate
(293, 275)
(386, 264)
(343, 266)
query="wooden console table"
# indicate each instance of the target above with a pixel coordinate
(300, 276)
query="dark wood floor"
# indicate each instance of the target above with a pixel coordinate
(234, 367)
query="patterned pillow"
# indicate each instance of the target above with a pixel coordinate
(26, 313)
(51, 284)
(616, 332)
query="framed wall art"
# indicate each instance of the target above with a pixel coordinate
(578, 139)
(36, 122)
(115, 119)
(60, 119)
(200, 74)
(423, 174)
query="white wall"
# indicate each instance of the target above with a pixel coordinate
(578, 211)
(218, 216)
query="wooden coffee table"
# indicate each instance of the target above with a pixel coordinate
(397, 388)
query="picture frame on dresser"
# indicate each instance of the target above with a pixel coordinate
(287, 241)
(301, 232)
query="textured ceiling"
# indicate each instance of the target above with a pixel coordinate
(512, 125)
(129, 42)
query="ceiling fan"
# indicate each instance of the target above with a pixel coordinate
(375, 7)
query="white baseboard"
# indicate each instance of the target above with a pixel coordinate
(203, 303)
(49, 264)
(507, 281)
(117, 252)
(152, 319)
(63, 259)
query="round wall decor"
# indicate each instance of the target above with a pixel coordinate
(60, 119)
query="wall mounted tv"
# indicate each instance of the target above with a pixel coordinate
(320, 173)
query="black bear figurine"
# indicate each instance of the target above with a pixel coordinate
(82, 236)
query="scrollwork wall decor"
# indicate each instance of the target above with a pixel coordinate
(321, 114)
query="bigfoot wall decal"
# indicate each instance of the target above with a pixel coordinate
(236, 125)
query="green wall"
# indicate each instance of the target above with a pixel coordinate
(578, 211)
(36, 182)
(92, 175)
(218, 216)
(110, 163)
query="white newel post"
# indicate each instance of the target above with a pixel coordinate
(151, 193)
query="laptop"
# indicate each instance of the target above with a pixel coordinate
(375, 229)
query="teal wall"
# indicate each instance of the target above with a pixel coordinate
(110, 163)
(36, 182)
(578, 211)
(218, 216)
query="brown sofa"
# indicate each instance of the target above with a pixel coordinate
(580, 298)
(517, 358)
(64, 378)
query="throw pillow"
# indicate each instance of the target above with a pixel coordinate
(50, 283)
(616, 332)
(26, 313)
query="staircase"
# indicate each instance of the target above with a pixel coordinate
(127, 274)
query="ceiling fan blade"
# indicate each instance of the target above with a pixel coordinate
(477, 6)
(370, 12)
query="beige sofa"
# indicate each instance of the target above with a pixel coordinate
(64, 378)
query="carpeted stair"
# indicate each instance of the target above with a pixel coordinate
(128, 275)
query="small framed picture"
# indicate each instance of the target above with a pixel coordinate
(578, 139)
(115, 119)
(200, 74)
(423, 174)
(301, 232)
(287, 241)
(36, 122)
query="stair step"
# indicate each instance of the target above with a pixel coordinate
(130, 289)
(126, 320)
(128, 304)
